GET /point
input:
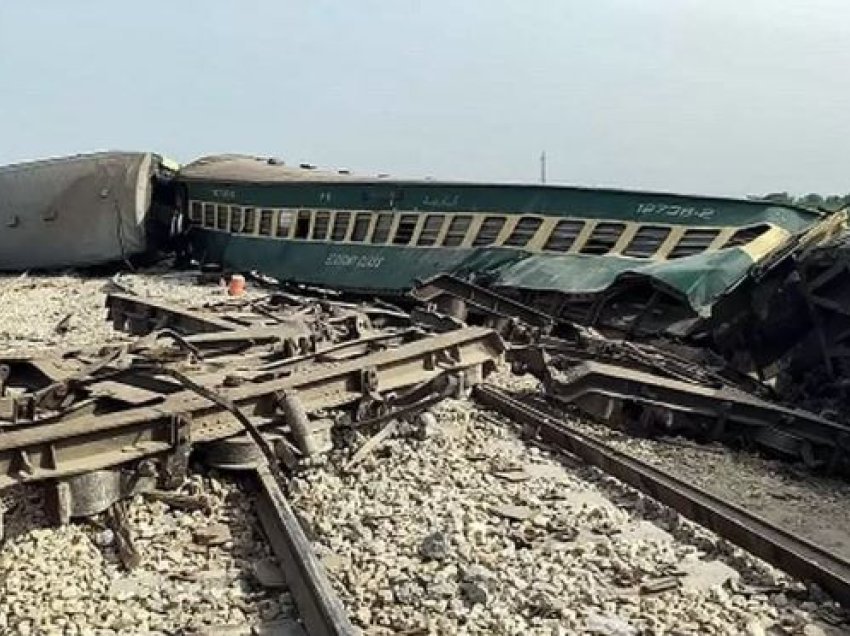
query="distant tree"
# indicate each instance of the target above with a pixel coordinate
(778, 197)
(834, 201)
(812, 200)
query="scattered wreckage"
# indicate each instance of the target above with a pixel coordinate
(723, 324)
(269, 386)
(730, 340)
(131, 414)
(258, 387)
(762, 285)
(647, 389)
(294, 370)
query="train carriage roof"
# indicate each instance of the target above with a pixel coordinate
(516, 198)
(236, 168)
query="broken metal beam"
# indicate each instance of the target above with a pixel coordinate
(719, 412)
(64, 447)
(445, 285)
(140, 316)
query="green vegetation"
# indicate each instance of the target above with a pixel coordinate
(812, 200)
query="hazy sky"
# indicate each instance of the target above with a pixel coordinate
(712, 96)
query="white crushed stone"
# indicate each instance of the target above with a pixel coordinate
(812, 505)
(372, 526)
(31, 306)
(445, 535)
(69, 580)
(64, 580)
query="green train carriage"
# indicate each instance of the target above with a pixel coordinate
(566, 246)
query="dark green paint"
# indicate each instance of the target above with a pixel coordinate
(391, 269)
(507, 199)
(698, 279)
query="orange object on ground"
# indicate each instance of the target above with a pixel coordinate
(237, 285)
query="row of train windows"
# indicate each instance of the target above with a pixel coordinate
(320, 226)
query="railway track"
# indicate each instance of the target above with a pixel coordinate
(78, 422)
(791, 553)
(246, 387)
(319, 607)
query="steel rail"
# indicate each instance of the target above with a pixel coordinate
(793, 554)
(319, 607)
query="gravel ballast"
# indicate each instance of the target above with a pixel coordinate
(472, 531)
(463, 530)
(201, 572)
(813, 505)
(196, 571)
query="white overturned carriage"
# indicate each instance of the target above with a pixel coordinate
(76, 211)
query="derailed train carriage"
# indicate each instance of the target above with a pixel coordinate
(765, 286)
(85, 210)
(722, 289)
(760, 283)
(701, 270)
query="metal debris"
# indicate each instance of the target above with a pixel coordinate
(371, 444)
(192, 377)
(181, 501)
(272, 385)
(116, 519)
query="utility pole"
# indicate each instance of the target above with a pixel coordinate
(543, 167)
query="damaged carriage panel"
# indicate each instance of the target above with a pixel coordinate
(710, 294)
(381, 235)
(764, 321)
(76, 211)
(660, 400)
(696, 280)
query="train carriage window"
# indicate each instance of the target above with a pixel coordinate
(432, 227)
(382, 228)
(746, 235)
(523, 231)
(284, 223)
(406, 227)
(235, 218)
(302, 224)
(564, 235)
(249, 221)
(693, 241)
(209, 215)
(489, 231)
(266, 222)
(341, 223)
(320, 226)
(195, 212)
(221, 217)
(361, 226)
(457, 231)
(603, 238)
(646, 241)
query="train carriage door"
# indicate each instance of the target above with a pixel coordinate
(302, 224)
